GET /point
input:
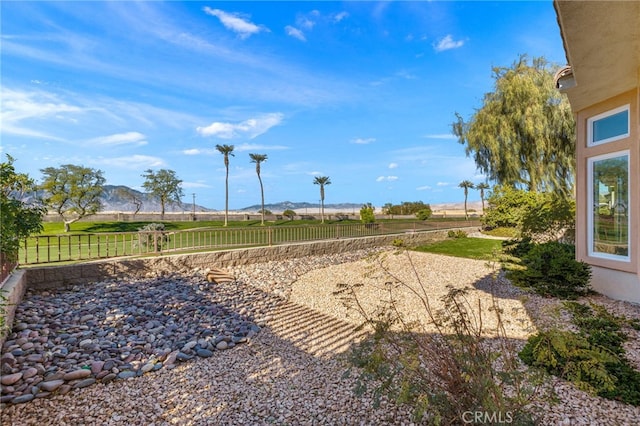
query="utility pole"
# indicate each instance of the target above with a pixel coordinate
(193, 206)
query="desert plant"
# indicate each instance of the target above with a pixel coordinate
(552, 270)
(153, 235)
(444, 374)
(593, 358)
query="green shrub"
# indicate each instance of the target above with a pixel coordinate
(289, 214)
(366, 214)
(424, 214)
(507, 207)
(153, 235)
(458, 233)
(551, 270)
(593, 359)
(517, 247)
(539, 215)
(551, 218)
(570, 356)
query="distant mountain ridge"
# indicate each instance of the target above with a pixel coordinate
(298, 207)
(114, 199)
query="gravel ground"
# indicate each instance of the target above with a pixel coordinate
(292, 371)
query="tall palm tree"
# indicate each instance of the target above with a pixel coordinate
(466, 185)
(481, 187)
(259, 158)
(322, 181)
(226, 150)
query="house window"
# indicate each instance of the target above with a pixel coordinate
(609, 126)
(609, 200)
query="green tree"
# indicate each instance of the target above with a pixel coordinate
(524, 133)
(367, 213)
(388, 209)
(508, 207)
(19, 219)
(425, 213)
(322, 181)
(466, 185)
(259, 158)
(226, 151)
(163, 184)
(72, 191)
(482, 187)
(289, 213)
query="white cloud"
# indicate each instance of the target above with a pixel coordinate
(447, 43)
(443, 184)
(133, 162)
(423, 188)
(363, 141)
(441, 136)
(306, 23)
(340, 16)
(386, 178)
(193, 151)
(19, 106)
(393, 165)
(235, 22)
(195, 185)
(250, 128)
(295, 33)
(128, 138)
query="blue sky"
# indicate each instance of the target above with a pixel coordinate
(362, 92)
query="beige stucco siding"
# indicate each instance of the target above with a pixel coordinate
(625, 286)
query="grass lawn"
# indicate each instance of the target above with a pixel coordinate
(56, 228)
(472, 248)
(88, 227)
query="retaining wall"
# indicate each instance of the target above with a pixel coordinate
(13, 289)
(88, 272)
(59, 276)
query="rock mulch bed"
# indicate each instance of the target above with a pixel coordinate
(290, 372)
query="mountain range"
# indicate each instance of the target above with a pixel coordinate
(121, 199)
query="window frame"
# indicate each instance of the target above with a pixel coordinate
(590, 207)
(609, 113)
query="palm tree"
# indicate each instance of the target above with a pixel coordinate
(481, 187)
(226, 150)
(322, 181)
(259, 158)
(466, 185)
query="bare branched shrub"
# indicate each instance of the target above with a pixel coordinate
(448, 365)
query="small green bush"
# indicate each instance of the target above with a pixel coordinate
(551, 270)
(289, 214)
(518, 247)
(458, 233)
(153, 235)
(367, 214)
(424, 214)
(593, 359)
(570, 356)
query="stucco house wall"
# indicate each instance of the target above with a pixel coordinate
(602, 45)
